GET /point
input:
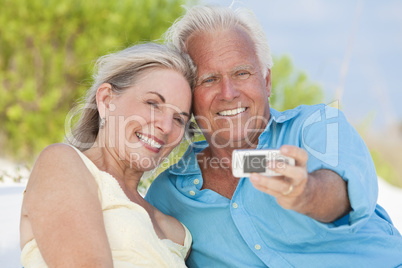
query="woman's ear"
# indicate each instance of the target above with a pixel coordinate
(104, 96)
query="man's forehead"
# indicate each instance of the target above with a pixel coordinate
(221, 49)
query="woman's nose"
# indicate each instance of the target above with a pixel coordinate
(164, 122)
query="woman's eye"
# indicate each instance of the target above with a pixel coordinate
(180, 121)
(153, 104)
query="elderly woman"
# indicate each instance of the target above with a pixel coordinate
(81, 207)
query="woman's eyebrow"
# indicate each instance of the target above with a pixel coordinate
(186, 114)
(164, 101)
(159, 95)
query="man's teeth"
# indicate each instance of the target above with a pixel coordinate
(149, 141)
(232, 112)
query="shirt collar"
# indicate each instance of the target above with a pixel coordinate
(188, 164)
(281, 117)
(276, 118)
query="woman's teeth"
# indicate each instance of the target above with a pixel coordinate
(232, 112)
(149, 141)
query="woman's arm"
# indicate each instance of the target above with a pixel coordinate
(62, 206)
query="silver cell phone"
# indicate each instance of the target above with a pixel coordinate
(246, 161)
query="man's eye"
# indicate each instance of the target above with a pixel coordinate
(242, 74)
(209, 81)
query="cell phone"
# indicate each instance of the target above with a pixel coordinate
(246, 161)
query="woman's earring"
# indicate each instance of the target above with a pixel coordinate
(102, 123)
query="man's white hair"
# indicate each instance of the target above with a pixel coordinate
(211, 18)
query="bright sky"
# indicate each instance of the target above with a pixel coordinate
(352, 48)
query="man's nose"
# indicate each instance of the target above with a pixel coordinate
(228, 89)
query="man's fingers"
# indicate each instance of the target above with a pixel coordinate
(299, 154)
(295, 174)
(270, 185)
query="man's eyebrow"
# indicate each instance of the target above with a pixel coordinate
(235, 69)
(204, 76)
(243, 67)
(159, 95)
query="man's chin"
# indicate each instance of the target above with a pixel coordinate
(230, 140)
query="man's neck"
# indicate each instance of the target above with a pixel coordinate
(216, 169)
(215, 163)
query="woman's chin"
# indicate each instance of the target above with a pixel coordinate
(146, 169)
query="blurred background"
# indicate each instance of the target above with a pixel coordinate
(352, 51)
(345, 53)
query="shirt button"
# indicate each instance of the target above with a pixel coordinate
(234, 205)
(192, 193)
(196, 181)
(257, 247)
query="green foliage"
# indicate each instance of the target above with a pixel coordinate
(47, 51)
(384, 169)
(290, 87)
(384, 152)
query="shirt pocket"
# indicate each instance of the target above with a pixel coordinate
(299, 229)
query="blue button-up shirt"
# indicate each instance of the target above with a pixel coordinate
(252, 230)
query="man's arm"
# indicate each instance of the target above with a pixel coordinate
(321, 195)
(327, 196)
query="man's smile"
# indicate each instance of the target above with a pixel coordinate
(232, 112)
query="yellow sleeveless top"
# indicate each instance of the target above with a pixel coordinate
(130, 232)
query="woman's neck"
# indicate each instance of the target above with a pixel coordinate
(109, 161)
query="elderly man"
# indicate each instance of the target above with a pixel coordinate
(322, 212)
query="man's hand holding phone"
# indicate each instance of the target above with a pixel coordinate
(280, 173)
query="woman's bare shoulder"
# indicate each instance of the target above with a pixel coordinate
(58, 157)
(60, 164)
(57, 151)
(61, 206)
